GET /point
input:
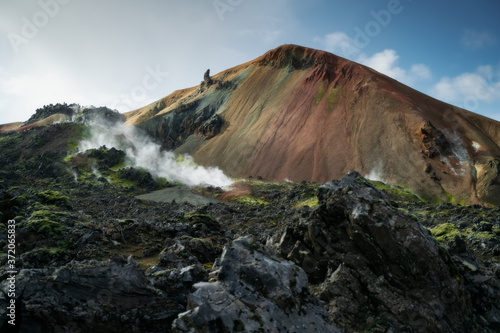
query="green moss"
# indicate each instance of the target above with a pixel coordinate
(445, 231)
(249, 200)
(10, 140)
(117, 180)
(21, 200)
(72, 145)
(46, 221)
(311, 202)
(395, 190)
(239, 326)
(45, 226)
(161, 182)
(477, 235)
(54, 197)
(449, 197)
(496, 230)
(131, 177)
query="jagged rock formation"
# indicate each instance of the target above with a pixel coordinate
(378, 269)
(302, 114)
(207, 81)
(254, 292)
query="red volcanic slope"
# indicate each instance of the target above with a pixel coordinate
(302, 114)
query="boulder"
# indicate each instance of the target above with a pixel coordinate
(254, 291)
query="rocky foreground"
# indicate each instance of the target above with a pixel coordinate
(357, 262)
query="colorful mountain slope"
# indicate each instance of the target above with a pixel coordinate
(302, 114)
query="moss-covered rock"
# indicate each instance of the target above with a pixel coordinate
(54, 197)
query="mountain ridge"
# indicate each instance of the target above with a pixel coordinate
(302, 114)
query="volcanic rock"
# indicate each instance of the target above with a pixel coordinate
(254, 291)
(378, 268)
(110, 296)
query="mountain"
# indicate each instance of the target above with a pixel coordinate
(103, 231)
(302, 114)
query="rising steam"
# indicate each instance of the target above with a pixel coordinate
(376, 173)
(143, 153)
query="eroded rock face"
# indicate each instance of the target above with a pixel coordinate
(254, 291)
(434, 141)
(488, 182)
(375, 266)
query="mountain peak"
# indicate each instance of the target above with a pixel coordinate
(297, 57)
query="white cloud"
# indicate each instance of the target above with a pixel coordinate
(72, 60)
(475, 40)
(421, 71)
(468, 87)
(385, 62)
(29, 92)
(340, 44)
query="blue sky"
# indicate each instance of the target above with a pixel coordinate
(126, 53)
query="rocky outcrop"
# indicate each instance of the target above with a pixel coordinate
(195, 118)
(207, 81)
(254, 292)
(51, 109)
(379, 269)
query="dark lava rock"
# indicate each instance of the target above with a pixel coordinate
(379, 269)
(254, 292)
(109, 296)
(51, 109)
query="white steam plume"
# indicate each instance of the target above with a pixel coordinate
(376, 173)
(142, 152)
